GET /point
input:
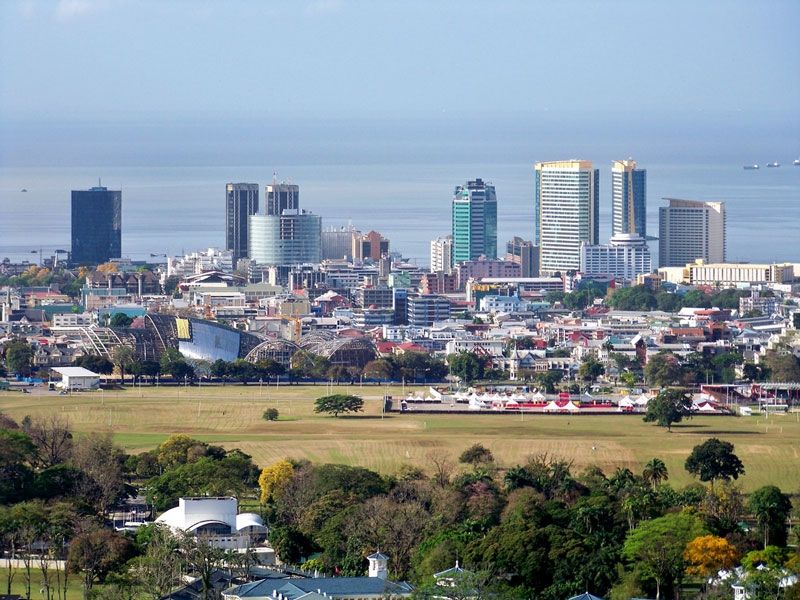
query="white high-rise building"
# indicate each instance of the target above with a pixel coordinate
(566, 213)
(691, 230)
(624, 257)
(442, 255)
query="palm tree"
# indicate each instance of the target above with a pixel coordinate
(123, 357)
(655, 472)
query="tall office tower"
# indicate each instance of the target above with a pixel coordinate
(241, 201)
(691, 229)
(624, 257)
(525, 254)
(96, 225)
(293, 238)
(628, 198)
(281, 197)
(442, 254)
(337, 243)
(369, 245)
(567, 207)
(474, 221)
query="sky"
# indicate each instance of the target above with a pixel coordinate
(112, 60)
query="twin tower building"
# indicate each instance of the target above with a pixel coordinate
(282, 235)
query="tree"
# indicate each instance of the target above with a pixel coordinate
(120, 319)
(95, 551)
(19, 356)
(467, 366)
(380, 369)
(671, 405)
(784, 368)
(549, 380)
(95, 363)
(590, 369)
(657, 547)
(123, 358)
(52, 437)
(663, 369)
(338, 403)
(714, 459)
(273, 478)
(171, 284)
(706, 555)
(655, 471)
(476, 454)
(271, 414)
(771, 507)
(97, 456)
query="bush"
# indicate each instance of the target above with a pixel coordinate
(271, 414)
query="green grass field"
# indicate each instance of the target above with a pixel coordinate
(231, 417)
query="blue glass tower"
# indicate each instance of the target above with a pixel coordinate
(628, 198)
(96, 225)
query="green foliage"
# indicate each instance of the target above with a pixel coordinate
(120, 320)
(590, 369)
(95, 363)
(19, 356)
(477, 454)
(271, 414)
(656, 547)
(771, 507)
(171, 284)
(663, 369)
(714, 459)
(467, 366)
(783, 368)
(548, 380)
(337, 404)
(672, 405)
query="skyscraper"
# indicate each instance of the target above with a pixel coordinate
(442, 254)
(96, 225)
(628, 198)
(241, 201)
(282, 196)
(287, 236)
(474, 221)
(566, 212)
(525, 254)
(691, 229)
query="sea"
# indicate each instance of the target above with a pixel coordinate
(393, 175)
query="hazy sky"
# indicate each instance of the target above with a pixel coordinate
(110, 59)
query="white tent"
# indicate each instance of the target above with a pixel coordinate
(538, 397)
(552, 406)
(643, 400)
(571, 406)
(626, 402)
(704, 407)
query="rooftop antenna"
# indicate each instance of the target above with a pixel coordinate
(99, 182)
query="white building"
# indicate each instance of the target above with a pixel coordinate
(73, 319)
(217, 519)
(624, 257)
(691, 230)
(566, 212)
(442, 255)
(212, 259)
(77, 378)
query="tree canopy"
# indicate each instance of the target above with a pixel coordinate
(336, 404)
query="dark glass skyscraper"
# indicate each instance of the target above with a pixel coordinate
(96, 225)
(281, 197)
(628, 198)
(241, 201)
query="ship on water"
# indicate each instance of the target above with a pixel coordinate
(750, 167)
(796, 162)
(773, 164)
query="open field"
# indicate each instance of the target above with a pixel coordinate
(231, 417)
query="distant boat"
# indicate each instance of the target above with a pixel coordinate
(774, 164)
(796, 162)
(750, 167)
(23, 190)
